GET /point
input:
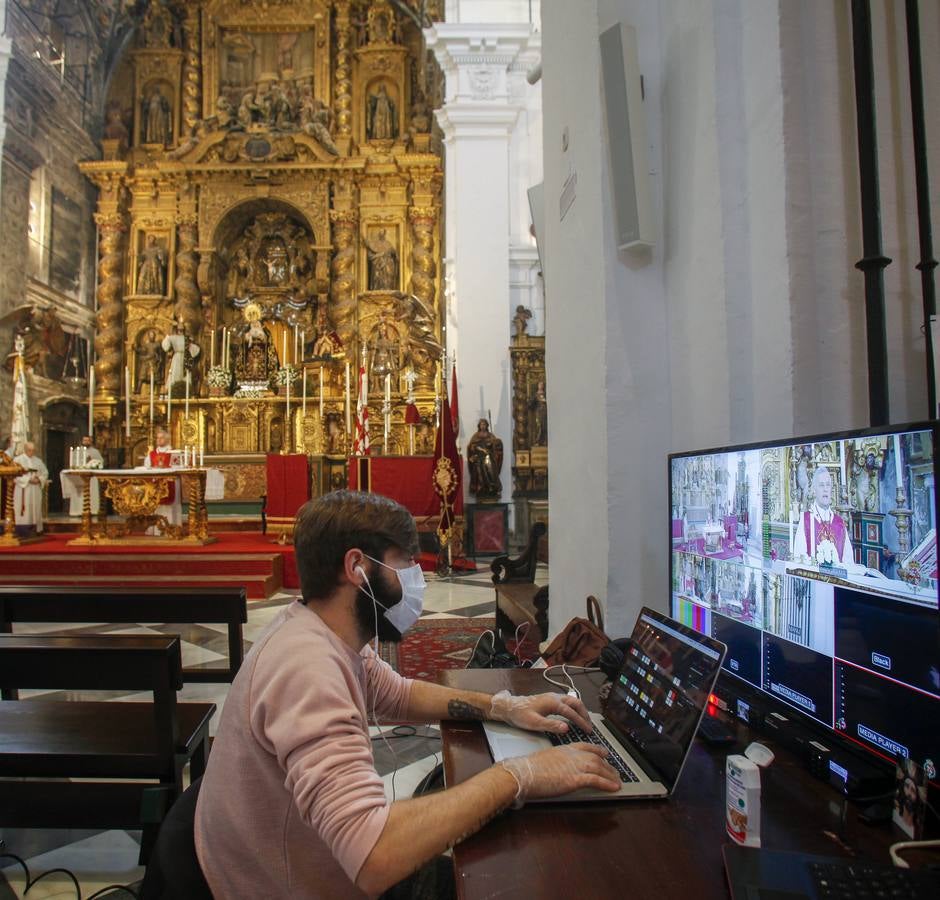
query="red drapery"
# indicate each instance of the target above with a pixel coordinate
(406, 479)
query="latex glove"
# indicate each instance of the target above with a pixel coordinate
(561, 770)
(531, 712)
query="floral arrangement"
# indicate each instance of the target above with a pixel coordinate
(218, 377)
(826, 554)
(911, 573)
(286, 374)
(94, 464)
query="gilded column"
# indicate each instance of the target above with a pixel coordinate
(188, 299)
(192, 68)
(109, 337)
(343, 81)
(423, 263)
(343, 271)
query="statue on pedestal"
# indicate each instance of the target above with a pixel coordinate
(149, 360)
(485, 460)
(256, 357)
(383, 263)
(385, 355)
(181, 354)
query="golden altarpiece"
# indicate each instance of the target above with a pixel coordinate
(269, 221)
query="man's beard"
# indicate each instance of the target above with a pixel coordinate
(369, 614)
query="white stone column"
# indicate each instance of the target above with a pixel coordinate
(478, 117)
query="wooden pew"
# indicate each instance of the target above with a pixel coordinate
(518, 598)
(229, 606)
(116, 743)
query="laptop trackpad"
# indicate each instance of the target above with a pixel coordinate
(506, 741)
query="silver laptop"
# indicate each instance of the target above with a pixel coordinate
(650, 717)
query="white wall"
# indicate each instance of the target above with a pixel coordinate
(746, 320)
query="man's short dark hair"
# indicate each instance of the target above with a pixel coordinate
(330, 525)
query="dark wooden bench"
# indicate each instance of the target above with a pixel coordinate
(228, 606)
(135, 751)
(518, 598)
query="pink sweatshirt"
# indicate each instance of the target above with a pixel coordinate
(291, 805)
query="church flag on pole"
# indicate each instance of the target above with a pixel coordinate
(454, 415)
(19, 430)
(446, 474)
(361, 445)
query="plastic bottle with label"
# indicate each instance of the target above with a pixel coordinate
(742, 806)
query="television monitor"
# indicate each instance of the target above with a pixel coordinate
(815, 561)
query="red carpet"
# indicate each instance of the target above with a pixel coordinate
(433, 645)
(236, 558)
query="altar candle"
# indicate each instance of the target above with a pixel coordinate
(151, 398)
(288, 402)
(224, 351)
(169, 411)
(284, 350)
(91, 401)
(304, 407)
(211, 349)
(202, 454)
(321, 392)
(347, 400)
(296, 344)
(127, 401)
(302, 344)
(388, 387)
(186, 407)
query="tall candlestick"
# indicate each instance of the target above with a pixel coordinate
(169, 414)
(388, 387)
(151, 398)
(211, 349)
(296, 342)
(224, 347)
(321, 392)
(898, 463)
(127, 401)
(91, 401)
(288, 428)
(303, 344)
(348, 419)
(284, 350)
(304, 407)
(202, 453)
(186, 406)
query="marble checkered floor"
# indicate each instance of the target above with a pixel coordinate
(102, 858)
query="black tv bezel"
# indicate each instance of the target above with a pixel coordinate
(734, 687)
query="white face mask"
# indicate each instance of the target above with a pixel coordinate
(408, 610)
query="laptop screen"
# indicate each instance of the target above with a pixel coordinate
(658, 698)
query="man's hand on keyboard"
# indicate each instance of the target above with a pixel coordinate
(532, 712)
(561, 770)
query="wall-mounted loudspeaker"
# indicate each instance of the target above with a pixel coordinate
(626, 136)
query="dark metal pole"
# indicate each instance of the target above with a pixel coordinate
(927, 263)
(873, 262)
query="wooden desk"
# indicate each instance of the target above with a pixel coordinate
(655, 848)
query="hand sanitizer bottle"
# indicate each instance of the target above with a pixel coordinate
(742, 807)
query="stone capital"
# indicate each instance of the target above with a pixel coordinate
(477, 59)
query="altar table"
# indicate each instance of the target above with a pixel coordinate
(135, 495)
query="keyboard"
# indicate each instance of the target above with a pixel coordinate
(861, 881)
(575, 735)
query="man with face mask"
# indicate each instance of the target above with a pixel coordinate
(291, 805)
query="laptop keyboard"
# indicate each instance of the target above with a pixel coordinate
(858, 880)
(575, 735)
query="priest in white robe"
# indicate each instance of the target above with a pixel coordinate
(27, 492)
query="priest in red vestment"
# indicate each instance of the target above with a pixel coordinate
(160, 458)
(821, 536)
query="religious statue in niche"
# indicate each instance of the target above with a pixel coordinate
(151, 273)
(181, 356)
(327, 343)
(539, 407)
(384, 355)
(383, 263)
(157, 118)
(485, 460)
(382, 25)
(382, 121)
(115, 124)
(159, 29)
(255, 355)
(148, 359)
